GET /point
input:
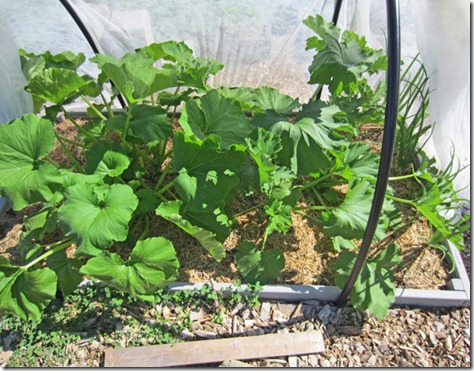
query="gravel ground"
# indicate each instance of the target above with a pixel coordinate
(407, 337)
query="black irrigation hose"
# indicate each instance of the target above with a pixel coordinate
(388, 141)
(337, 11)
(88, 37)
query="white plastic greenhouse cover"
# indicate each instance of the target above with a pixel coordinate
(260, 42)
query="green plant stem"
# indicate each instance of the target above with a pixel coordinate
(171, 194)
(318, 196)
(51, 161)
(146, 230)
(316, 92)
(306, 215)
(400, 200)
(55, 248)
(165, 172)
(79, 128)
(250, 209)
(174, 114)
(143, 155)
(165, 188)
(264, 240)
(316, 181)
(107, 105)
(127, 123)
(97, 112)
(324, 208)
(81, 145)
(70, 155)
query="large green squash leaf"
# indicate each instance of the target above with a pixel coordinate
(261, 99)
(259, 266)
(148, 124)
(59, 85)
(171, 212)
(169, 50)
(360, 161)
(152, 265)
(66, 60)
(106, 159)
(134, 76)
(349, 220)
(208, 175)
(94, 216)
(373, 288)
(340, 61)
(301, 152)
(215, 114)
(25, 293)
(271, 99)
(25, 177)
(67, 270)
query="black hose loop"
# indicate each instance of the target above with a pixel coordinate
(388, 142)
(88, 37)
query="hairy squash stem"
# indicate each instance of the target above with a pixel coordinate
(307, 215)
(401, 200)
(162, 177)
(81, 145)
(94, 108)
(165, 188)
(146, 230)
(76, 125)
(51, 161)
(323, 208)
(318, 196)
(70, 155)
(107, 105)
(316, 181)
(173, 196)
(250, 209)
(57, 246)
(127, 123)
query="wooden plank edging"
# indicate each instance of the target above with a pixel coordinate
(216, 350)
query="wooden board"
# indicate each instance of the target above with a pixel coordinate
(217, 350)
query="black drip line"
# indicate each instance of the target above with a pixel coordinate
(388, 141)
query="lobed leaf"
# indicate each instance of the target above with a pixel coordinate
(349, 220)
(152, 265)
(94, 216)
(279, 215)
(67, 271)
(373, 288)
(215, 114)
(25, 293)
(106, 159)
(259, 266)
(171, 211)
(26, 178)
(148, 124)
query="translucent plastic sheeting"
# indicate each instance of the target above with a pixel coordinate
(14, 100)
(440, 31)
(259, 42)
(262, 42)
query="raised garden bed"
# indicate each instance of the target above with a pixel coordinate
(286, 176)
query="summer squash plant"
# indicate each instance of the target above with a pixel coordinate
(124, 169)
